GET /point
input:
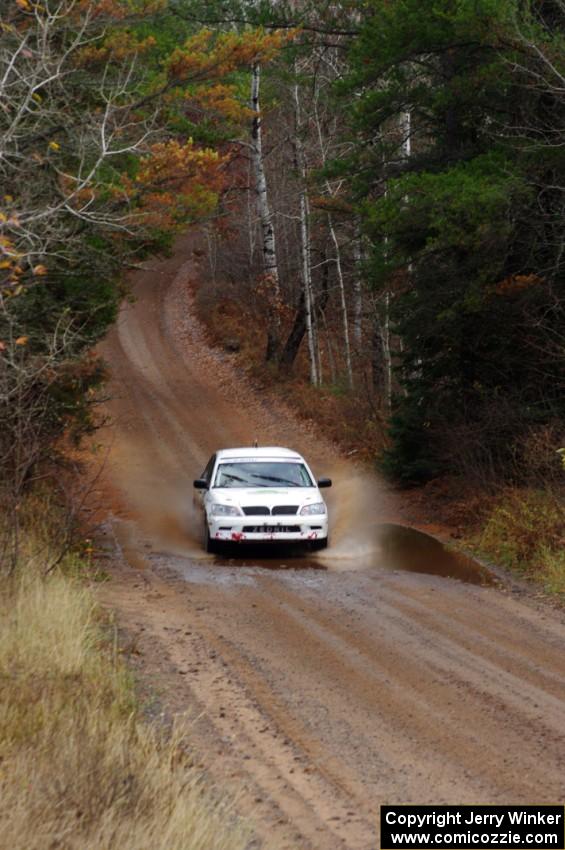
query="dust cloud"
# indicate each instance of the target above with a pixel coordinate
(159, 500)
(355, 503)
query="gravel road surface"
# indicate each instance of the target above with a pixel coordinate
(316, 688)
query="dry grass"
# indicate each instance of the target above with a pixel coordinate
(525, 531)
(78, 766)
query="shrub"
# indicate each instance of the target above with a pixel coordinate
(526, 531)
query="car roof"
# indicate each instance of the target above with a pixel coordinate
(259, 452)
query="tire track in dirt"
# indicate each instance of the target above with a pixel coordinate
(246, 719)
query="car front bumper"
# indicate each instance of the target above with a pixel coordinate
(261, 529)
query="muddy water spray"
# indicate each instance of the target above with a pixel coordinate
(355, 504)
(161, 499)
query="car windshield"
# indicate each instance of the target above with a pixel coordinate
(262, 474)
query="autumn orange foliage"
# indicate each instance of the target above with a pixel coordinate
(208, 56)
(517, 283)
(198, 70)
(176, 182)
(158, 177)
(116, 46)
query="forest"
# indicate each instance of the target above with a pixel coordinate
(371, 198)
(379, 192)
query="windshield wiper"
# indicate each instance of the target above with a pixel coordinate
(234, 477)
(274, 478)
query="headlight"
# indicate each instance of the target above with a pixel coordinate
(225, 510)
(318, 508)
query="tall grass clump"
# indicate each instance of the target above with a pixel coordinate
(525, 531)
(79, 768)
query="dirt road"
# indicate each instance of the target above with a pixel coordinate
(319, 689)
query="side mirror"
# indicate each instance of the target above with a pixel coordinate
(324, 482)
(200, 484)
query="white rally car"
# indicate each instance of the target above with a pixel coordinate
(256, 495)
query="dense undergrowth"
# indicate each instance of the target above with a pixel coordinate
(79, 767)
(525, 531)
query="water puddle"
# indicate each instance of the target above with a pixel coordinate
(270, 557)
(406, 549)
(393, 547)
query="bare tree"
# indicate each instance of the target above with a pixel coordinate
(301, 168)
(266, 217)
(61, 138)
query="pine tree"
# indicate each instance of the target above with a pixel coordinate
(465, 233)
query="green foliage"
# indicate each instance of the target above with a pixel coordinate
(411, 459)
(463, 208)
(465, 228)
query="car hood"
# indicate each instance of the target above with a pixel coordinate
(266, 496)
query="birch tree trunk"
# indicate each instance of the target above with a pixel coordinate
(331, 356)
(251, 209)
(381, 350)
(270, 264)
(387, 352)
(338, 263)
(389, 344)
(343, 301)
(305, 246)
(358, 290)
(406, 125)
(307, 282)
(406, 130)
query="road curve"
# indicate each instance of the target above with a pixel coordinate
(318, 691)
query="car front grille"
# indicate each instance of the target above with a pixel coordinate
(263, 510)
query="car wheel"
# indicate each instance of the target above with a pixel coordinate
(318, 545)
(209, 544)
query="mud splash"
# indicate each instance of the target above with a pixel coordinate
(156, 497)
(168, 521)
(394, 548)
(354, 503)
